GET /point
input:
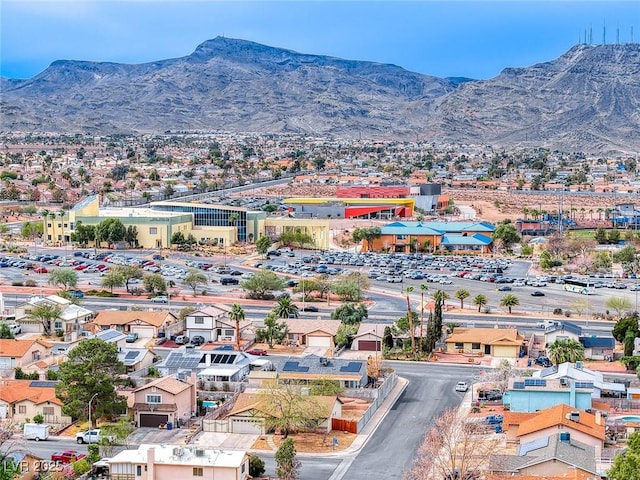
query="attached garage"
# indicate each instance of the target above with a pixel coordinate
(247, 425)
(369, 345)
(206, 334)
(153, 420)
(143, 331)
(318, 341)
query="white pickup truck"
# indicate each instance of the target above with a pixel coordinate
(90, 436)
(548, 324)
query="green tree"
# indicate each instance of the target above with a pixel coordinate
(344, 335)
(154, 282)
(368, 234)
(256, 466)
(5, 332)
(625, 325)
(45, 314)
(194, 278)
(31, 230)
(565, 350)
(619, 304)
(129, 273)
(177, 239)
(112, 280)
(92, 368)
(461, 294)
(237, 315)
(285, 308)
(626, 465)
(600, 236)
(625, 255)
(480, 301)
(114, 434)
(262, 284)
(325, 387)
(111, 230)
(83, 234)
(387, 338)
(613, 237)
(350, 314)
(66, 277)
(350, 287)
(263, 244)
(9, 468)
(509, 301)
(291, 410)
(273, 331)
(507, 233)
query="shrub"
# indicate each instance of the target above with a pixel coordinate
(256, 466)
(38, 418)
(17, 283)
(94, 452)
(567, 313)
(59, 332)
(557, 311)
(81, 467)
(30, 283)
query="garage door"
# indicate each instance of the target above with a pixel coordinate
(242, 425)
(143, 332)
(206, 334)
(318, 341)
(152, 419)
(369, 345)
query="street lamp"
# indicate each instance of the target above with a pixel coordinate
(91, 401)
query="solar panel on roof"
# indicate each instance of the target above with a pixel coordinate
(42, 383)
(131, 355)
(518, 385)
(533, 445)
(351, 367)
(290, 366)
(303, 369)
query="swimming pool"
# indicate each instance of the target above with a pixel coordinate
(629, 419)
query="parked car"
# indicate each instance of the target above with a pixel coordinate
(537, 293)
(75, 293)
(229, 281)
(462, 387)
(257, 351)
(132, 337)
(309, 308)
(224, 347)
(160, 299)
(198, 340)
(543, 361)
(67, 456)
(504, 288)
(90, 436)
(40, 270)
(15, 329)
(490, 395)
(181, 340)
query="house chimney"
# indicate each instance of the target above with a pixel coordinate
(565, 437)
(598, 417)
(151, 462)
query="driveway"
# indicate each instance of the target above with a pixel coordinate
(145, 435)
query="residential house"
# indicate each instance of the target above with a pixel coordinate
(135, 358)
(556, 457)
(71, 320)
(562, 331)
(582, 426)
(145, 323)
(22, 399)
(369, 337)
(350, 373)
(497, 342)
(112, 336)
(598, 348)
(30, 465)
(588, 378)
(19, 353)
(213, 324)
(312, 333)
(250, 410)
(535, 394)
(169, 462)
(166, 400)
(210, 365)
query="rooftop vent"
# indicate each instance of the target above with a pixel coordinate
(324, 361)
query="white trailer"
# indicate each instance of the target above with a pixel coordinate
(36, 431)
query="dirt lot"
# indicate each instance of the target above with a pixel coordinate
(309, 442)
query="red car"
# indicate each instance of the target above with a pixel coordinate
(68, 456)
(40, 270)
(81, 267)
(257, 351)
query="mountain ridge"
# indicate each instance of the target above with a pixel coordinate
(586, 99)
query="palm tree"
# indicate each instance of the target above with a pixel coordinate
(565, 350)
(480, 300)
(237, 315)
(423, 289)
(461, 294)
(509, 300)
(285, 308)
(45, 215)
(412, 332)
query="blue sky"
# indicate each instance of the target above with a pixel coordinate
(473, 38)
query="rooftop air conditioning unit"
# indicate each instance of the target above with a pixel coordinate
(177, 452)
(199, 452)
(324, 361)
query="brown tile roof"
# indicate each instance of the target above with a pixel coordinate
(558, 415)
(169, 384)
(17, 348)
(117, 317)
(516, 418)
(486, 336)
(12, 391)
(304, 327)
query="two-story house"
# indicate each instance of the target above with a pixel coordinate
(170, 462)
(22, 399)
(163, 401)
(19, 353)
(578, 374)
(71, 320)
(213, 324)
(527, 394)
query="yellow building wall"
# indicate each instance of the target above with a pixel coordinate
(228, 235)
(318, 228)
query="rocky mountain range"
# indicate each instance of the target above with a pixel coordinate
(588, 99)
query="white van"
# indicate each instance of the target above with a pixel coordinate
(36, 431)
